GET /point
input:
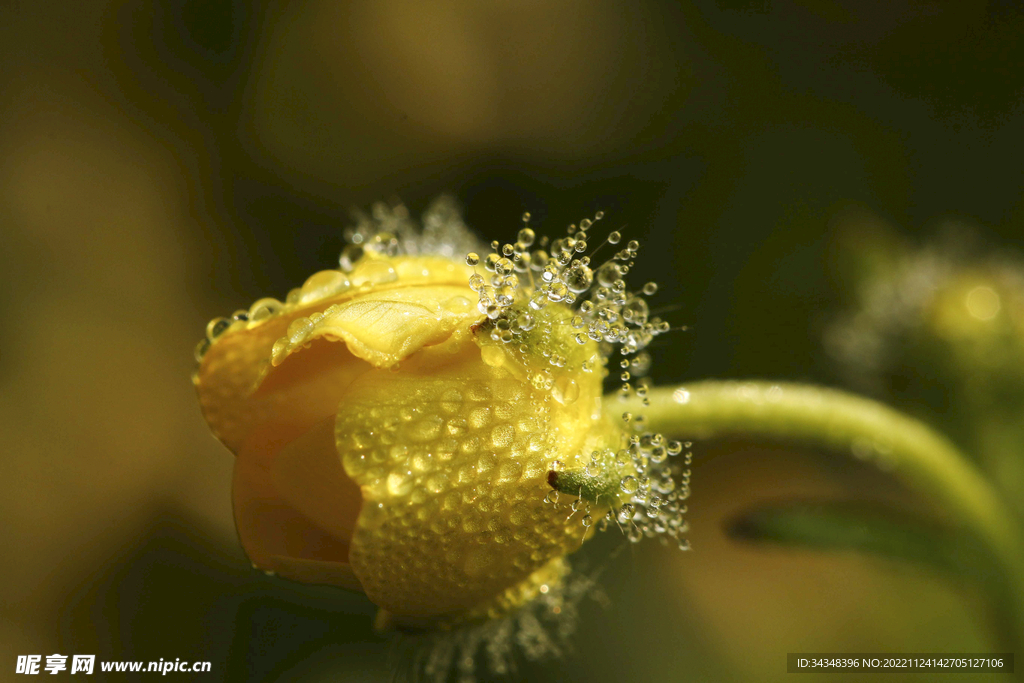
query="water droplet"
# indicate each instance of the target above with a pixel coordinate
(201, 348)
(263, 309)
(558, 291)
(374, 273)
(351, 255)
(565, 390)
(579, 278)
(650, 288)
(217, 327)
(399, 483)
(607, 274)
(299, 330)
(524, 321)
(635, 311)
(493, 356)
(506, 295)
(641, 364)
(472, 258)
(322, 285)
(279, 350)
(629, 484)
(626, 512)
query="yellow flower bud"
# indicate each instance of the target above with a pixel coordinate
(399, 423)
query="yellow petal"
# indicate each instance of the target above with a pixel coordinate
(308, 475)
(382, 328)
(295, 507)
(238, 363)
(268, 525)
(452, 456)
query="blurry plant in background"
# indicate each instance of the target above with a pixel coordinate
(938, 329)
(161, 161)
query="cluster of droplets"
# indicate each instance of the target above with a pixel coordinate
(650, 483)
(538, 630)
(536, 292)
(524, 277)
(389, 231)
(657, 487)
(521, 284)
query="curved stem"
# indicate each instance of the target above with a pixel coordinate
(913, 452)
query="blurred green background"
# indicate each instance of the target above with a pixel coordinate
(162, 163)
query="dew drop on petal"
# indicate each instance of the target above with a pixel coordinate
(558, 291)
(579, 278)
(201, 348)
(263, 309)
(326, 283)
(493, 356)
(565, 390)
(350, 255)
(217, 327)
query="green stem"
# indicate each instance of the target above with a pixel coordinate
(923, 459)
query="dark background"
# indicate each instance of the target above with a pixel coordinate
(162, 163)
